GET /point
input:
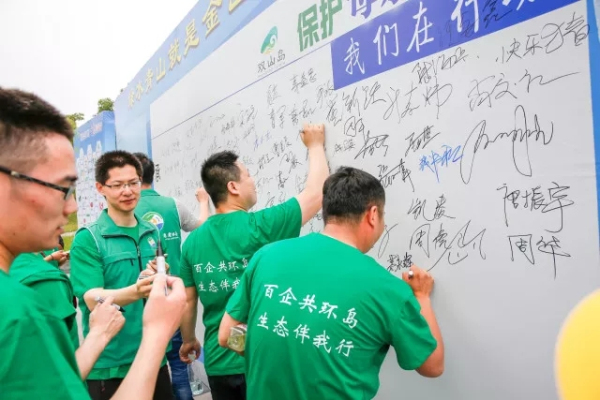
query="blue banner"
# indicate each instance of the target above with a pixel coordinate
(94, 138)
(208, 25)
(419, 28)
(96, 135)
(594, 7)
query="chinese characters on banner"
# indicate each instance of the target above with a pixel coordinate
(364, 7)
(414, 30)
(316, 22)
(180, 48)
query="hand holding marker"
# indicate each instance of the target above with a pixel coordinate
(160, 262)
(100, 300)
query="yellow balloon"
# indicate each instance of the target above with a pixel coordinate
(577, 364)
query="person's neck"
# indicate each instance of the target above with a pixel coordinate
(343, 234)
(146, 186)
(6, 258)
(125, 219)
(229, 207)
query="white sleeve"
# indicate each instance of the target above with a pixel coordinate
(188, 221)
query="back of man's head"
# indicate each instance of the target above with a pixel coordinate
(147, 168)
(349, 193)
(217, 171)
(25, 121)
(115, 159)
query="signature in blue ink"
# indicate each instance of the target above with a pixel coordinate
(449, 155)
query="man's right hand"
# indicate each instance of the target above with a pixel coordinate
(187, 348)
(106, 321)
(421, 282)
(162, 314)
(313, 135)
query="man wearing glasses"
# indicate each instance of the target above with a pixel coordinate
(108, 258)
(37, 174)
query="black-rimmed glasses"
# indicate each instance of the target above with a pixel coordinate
(68, 191)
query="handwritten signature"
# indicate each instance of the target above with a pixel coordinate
(455, 250)
(433, 162)
(420, 141)
(483, 93)
(387, 176)
(373, 143)
(535, 200)
(478, 140)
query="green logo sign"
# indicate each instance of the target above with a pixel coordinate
(270, 41)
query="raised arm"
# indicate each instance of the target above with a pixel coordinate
(188, 220)
(105, 323)
(162, 316)
(203, 199)
(311, 197)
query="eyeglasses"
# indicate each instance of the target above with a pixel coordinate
(122, 186)
(68, 191)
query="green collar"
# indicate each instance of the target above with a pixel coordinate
(149, 192)
(109, 228)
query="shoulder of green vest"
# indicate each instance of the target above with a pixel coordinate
(161, 198)
(164, 206)
(154, 204)
(93, 229)
(87, 227)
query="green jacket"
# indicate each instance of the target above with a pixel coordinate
(103, 255)
(162, 212)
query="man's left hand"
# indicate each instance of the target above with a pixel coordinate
(152, 266)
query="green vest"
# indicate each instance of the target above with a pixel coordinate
(122, 262)
(162, 212)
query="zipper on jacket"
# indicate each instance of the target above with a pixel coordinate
(139, 254)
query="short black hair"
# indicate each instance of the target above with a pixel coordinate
(349, 193)
(217, 171)
(115, 159)
(147, 168)
(25, 121)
